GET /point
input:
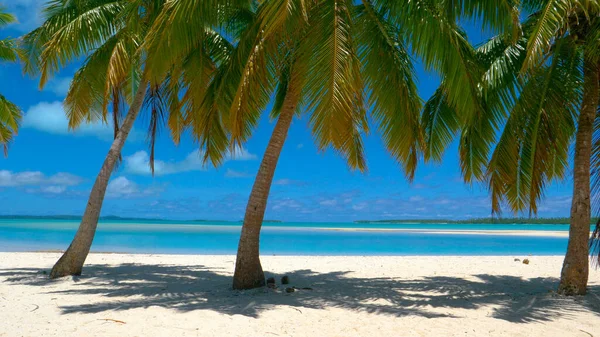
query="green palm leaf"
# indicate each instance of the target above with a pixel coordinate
(77, 37)
(533, 148)
(10, 117)
(393, 98)
(333, 87)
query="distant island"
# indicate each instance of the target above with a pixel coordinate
(545, 221)
(523, 220)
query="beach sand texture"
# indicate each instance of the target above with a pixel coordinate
(189, 295)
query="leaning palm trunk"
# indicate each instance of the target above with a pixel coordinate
(574, 275)
(71, 263)
(248, 270)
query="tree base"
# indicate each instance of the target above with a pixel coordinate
(65, 267)
(571, 289)
(248, 276)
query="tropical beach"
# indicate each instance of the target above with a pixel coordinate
(300, 167)
(372, 291)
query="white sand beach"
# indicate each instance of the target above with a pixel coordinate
(189, 295)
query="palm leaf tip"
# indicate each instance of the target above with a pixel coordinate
(595, 246)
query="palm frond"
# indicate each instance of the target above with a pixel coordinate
(533, 148)
(252, 76)
(158, 109)
(333, 86)
(10, 118)
(440, 123)
(86, 99)
(5, 18)
(8, 50)
(208, 126)
(503, 16)
(177, 30)
(393, 97)
(551, 17)
(84, 32)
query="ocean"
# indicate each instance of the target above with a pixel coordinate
(213, 237)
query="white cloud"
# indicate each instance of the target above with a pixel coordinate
(139, 162)
(59, 86)
(28, 13)
(360, 206)
(37, 178)
(236, 174)
(241, 154)
(53, 189)
(286, 204)
(66, 179)
(286, 182)
(50, 117)
(282, 182)
(329, 202)
(416, 198)
(122, 187)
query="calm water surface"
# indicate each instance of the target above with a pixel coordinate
(282, 238)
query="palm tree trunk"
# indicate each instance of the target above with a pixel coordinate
(71, 263)
(574, 275)
(248, 270)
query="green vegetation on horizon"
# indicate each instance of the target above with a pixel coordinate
(491, 221)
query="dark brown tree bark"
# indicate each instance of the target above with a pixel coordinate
(574, 275)
(248, 270)
(71, 263)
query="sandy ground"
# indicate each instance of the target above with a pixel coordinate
(179, 295)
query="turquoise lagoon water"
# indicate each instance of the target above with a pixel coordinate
(210, 237)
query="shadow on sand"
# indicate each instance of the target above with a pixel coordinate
(187, 288)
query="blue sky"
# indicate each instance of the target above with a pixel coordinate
(50, 170)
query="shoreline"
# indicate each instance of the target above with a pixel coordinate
(234, 228)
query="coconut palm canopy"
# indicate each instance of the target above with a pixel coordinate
(348, 66)
(378, 160)
(10, 114)
(342, 62)
(109, 34)
(539, 96)
(337, 49)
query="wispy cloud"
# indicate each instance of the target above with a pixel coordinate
(59, 86)
(286, 182)
(36, 182)
(139, 162)
(237, 174)
(37, 178)
(50, 117)
(122, 187)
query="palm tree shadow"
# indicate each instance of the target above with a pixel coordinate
(188, 288)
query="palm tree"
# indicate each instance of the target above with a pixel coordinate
(336, 61)
(110, 33)
(540, 92)
(73, 29)
(10, 114)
